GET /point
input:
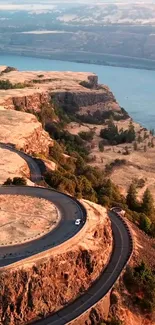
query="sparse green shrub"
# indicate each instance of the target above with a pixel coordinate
(8, 69)
(116, 163)
(139, 183)
(87, 136)
(6, 84)
(40, 75)
(101, 146)
(8, 181)
(18, 181)
(86, 84)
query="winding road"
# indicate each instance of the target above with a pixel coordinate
(70, 209)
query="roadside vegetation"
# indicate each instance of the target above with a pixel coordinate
(140, 282)
(75, 176)
(6, 84)
(17, 181)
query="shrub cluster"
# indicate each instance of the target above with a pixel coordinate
(114, 136)
(76, 177)
(140, 282)
(17, 181)
(87, 136)
(100, 117)
(142, 213)
(6, 84)
(71, 143)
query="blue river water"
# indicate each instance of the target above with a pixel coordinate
(134, 89)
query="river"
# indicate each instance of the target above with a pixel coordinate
(134, 89)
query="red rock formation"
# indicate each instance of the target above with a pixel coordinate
(34, 289)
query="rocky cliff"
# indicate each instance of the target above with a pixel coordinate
(45, 283)
(24, 131)
(76, 92)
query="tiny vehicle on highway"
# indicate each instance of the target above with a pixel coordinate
(77, 222)
(118, 210)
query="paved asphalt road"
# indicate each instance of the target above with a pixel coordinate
(35, 173)
(121, 251)
(69, 210)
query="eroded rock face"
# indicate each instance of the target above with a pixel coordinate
(31, 103)
(74, 91)
(24, 131)
(34, 289)
(86, 101)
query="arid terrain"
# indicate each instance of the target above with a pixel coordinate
(53, 277)
(25, 218)
(24, 131)
(11, 165)
(138, 164)
(45, 282)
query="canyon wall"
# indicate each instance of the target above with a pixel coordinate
(75, 92)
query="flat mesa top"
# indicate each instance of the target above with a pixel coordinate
(62, 76)
(44, 81)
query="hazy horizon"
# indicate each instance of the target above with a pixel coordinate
(48, 2)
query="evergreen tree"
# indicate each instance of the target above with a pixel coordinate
(131, 132)
(135, 146)
(145, 223)
(152, 143)
(131, 198)
(152, 132)
(147, 203)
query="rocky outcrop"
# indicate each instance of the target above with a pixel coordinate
(47, 282)
(72, 91)
(12, 165)
(86, 101)
(31, 103)
(24, 131)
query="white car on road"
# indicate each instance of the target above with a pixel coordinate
(77, 222)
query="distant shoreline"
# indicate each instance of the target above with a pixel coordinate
(106, 60)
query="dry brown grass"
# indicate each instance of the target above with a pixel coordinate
(24, 218)
(139, 164)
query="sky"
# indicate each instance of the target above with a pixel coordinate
(20, 2)
(48, 4)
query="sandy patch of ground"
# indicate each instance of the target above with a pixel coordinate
(25, 218)
(12, 165)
